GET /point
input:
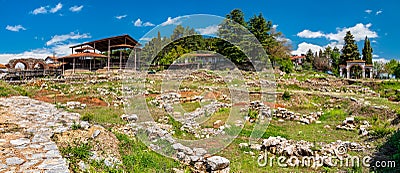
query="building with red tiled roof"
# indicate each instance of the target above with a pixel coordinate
(298, 60)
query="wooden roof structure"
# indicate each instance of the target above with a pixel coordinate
(2, 66)
(85, 54)
(116, 42)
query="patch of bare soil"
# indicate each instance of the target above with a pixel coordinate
(92, 101)
(103, 142)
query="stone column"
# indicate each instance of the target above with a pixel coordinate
(340, 72)
(348, 73)
(363, 72)
(370, 73)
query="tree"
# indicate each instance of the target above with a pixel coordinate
(390, 67)
(238, 16)
(379, 68)
(397, 71)
(309, 56)
(229, 29)
(350, 49)
(335, 56)
(367, 51)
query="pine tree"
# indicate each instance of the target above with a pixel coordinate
(350, 49)
(309, 56)
(335, 56)
(367, 51)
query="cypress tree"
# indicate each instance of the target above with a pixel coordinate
(367, 51)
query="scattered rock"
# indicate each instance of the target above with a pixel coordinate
(217, 124)
(14, 161)
(217, 163)
(21, 141)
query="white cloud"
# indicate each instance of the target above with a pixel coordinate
(379, 12)
(61, 38)
(375, 56)
(148, 24)
(15, 28)
(76, 8)
(139, 23)
(170, 21)
(40, 53)
(209, 30)
(40, 10)
(275, 26)
(121, 17)
(335, 44)
(382, 60)
(56, 8)
(304, 47)
(359, 31)
(310, 34)
(145, 39)
(368, 11)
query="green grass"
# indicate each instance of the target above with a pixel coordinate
(186, 107)
(75, 153)
(333, 115)
(136, 157)
(181, 134)
(7, 90)
(222, 114)
(102, 115)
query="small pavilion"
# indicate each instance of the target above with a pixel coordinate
(367, 69)
(99, 54)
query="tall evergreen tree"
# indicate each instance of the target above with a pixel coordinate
(309, 56)
(232, 29)
(335, 56)
(350, 49)
(367, 51)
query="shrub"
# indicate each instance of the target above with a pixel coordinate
(76, 126)
(252, 114)
(381, 132)
(87, 117)
(286, 95)
(286, 66)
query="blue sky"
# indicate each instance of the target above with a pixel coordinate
(38, 28)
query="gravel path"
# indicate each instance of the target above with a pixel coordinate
(26, 127)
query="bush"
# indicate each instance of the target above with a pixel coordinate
(87, 117)
(381, 132)
(286, 66)
(252, 114)
(286, 95)
(76, 126)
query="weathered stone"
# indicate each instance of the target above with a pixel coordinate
(53, 154)
(199, 151)
(28, 164)
(14, 161)
(21, 141)
(256, 147)
(243, 145)
(83, 166)
(217, 163)
(217, 124)
(96, 133)
(130, 118)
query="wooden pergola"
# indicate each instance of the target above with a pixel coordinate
(97, 49)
